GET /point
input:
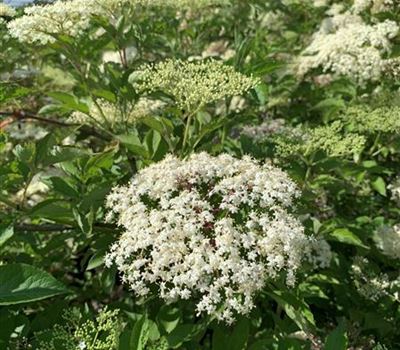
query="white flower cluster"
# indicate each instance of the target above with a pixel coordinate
(373, 285)
(192, 84)
(273, 20)
(375, 6)
(320, 3)
(219, 49)
(370, 285)
(25, 130)
(388, 240)
(41, 23)
(347, 46)
(112, 116)
(318, 253)
(212, 229)
(187, 4)
(7, 11)
(394, 187)
(267, 128)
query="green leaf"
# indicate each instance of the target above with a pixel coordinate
(183, 333)
(95, 198)
(96, 260)
(296, 309)
(262, 93)
(337, 339)
(100, 161)
(84, 220)
(63, 187)
(233, 338)
(6, 232)
(169, 317)
(53, 209)
(61, 154)
(344, 235)
(160, 124)
(152, 140)
(379, 185)
(140, 334)
(69, 101)
(133, 144)
(329, 104)
(21, 283)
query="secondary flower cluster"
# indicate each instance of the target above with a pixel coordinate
(345, 45)
(114, 117)
(370, 284)
(375, 6)
(333, 139)
(41, 23)
(394, 187)
(75, 333)
(388, 241)
(6, 11)
(366, 120)
(212, 229)
(192, 84)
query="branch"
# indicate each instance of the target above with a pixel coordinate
(22, 115)
(44, 228)
(58, 227)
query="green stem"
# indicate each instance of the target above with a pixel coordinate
(186, 134)
(24, 196)
(95, 339)
(376, 142)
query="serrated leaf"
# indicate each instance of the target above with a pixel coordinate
(21, 283)
(344, 235)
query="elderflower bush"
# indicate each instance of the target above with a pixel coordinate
(179, 112)
(210, 228)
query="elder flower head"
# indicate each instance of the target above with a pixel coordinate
(211, 229)
(41, 23)
(7, 11)
(345, 45)
(192, 84)
(388, 240)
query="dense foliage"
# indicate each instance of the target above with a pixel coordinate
(200, 174)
